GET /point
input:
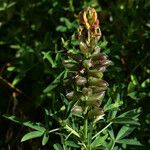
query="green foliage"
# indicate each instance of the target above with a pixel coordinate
(34, 39)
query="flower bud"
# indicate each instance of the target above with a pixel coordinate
(107, 63)
(87, 64)
(97, 82)
(87, 91)
(88, 17)
(100, 68)
(95, 99)
(97, 89)
(96, 112)
(95, 73)
(70, 95)
(83, 47)
(81, 81)
(77, 109)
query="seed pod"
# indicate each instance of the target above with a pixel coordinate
(106, 63)
(77, 109)
(99, 58)
(81, 81)
(97, 89)
(95, 99)
(100, 68)
(96, 112)
(87, 64)
(70, 95)
(95, 73)
(97, 82)
(87, 91)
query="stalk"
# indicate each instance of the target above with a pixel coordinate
(86, 67)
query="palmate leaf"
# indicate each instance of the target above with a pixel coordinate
(31, 135)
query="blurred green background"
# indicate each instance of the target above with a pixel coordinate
(31, 28)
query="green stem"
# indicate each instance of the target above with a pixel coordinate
(85, 129)
(101, 131)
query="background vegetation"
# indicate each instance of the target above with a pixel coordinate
(31, 33)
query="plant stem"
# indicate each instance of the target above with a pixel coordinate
(101, 131)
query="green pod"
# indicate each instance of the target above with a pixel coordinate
(95, 73)
(81, 81)
(97, 82)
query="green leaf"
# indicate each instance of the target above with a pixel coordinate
(36, 126)
(131, 114)
(48, 56)
(134, 80)
(133, 95)
(145, 83)
(31, 135)
(72, 144)
(98, 141)
(54, 84)
(129, 142)
(124, 131)
(57, 147)
(113, 106)
(45, 139)
(125, 120)
(61, 28)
